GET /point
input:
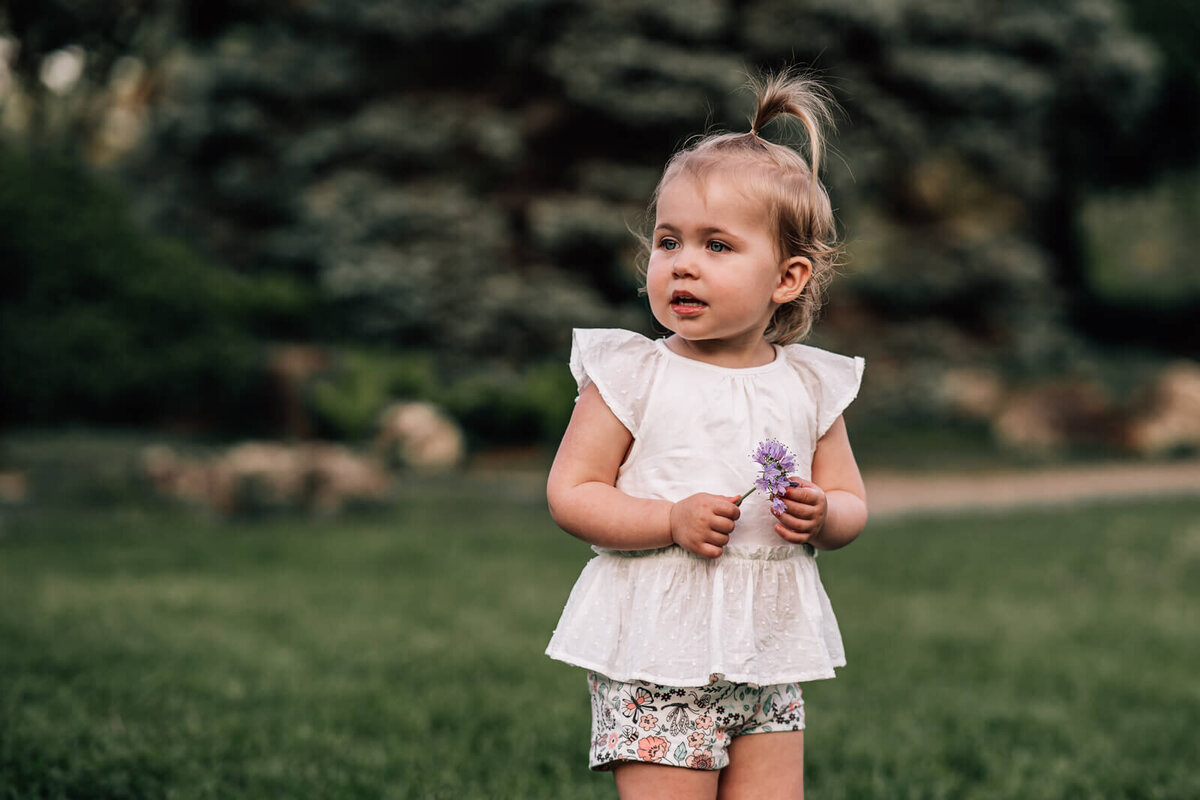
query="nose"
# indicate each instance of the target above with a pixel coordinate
(684, 264)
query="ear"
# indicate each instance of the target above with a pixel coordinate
(796, 272)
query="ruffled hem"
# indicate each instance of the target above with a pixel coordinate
(753, 679)
(675, 620)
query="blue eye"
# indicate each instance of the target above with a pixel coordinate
(718, 247)
(668, 244)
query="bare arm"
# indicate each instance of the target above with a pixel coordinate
(585, 502)
(830, 511)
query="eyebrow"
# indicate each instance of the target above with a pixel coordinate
(707, 231)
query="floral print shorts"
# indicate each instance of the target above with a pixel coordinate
(682, 726)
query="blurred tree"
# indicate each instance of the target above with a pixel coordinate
(460, 176)
(1172, 126)
(1139, 234)
(64, 55)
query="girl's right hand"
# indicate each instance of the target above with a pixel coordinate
(701, 524)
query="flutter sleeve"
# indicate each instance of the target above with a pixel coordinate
(832, 381)
(621, 364)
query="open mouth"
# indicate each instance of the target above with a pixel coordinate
(684, 300)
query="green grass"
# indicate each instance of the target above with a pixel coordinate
(152, 652)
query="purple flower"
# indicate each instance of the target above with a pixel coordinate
(773, 480)
(777, 463)
(772, 451)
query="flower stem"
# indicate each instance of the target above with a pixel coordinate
(738, 502)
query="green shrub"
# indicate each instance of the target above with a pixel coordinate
(102, 322)
(1141, 244)
(494, 406)
(512, 408)
(347, 402)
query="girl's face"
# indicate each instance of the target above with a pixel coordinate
(715, 276)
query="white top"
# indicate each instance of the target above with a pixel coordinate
(758, 613)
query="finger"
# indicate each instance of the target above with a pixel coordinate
(803, 485)
(798, 495)
(808, 496)
(709, 551)
(801, 510)
(795, 523)
(729, 511)
(716, 534)
(722, 525)
(796, 537)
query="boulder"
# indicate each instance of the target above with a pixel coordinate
(1055, 416)
(1172, 421)
(14, 487)
(419, 436)
(320, 477)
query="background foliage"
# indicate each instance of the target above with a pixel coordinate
(1016, 183)
(101, 322)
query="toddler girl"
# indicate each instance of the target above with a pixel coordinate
(699, 618)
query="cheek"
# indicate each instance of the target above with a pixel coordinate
(656, 276)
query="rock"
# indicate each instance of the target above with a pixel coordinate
(335, 475)
(14, 487)
(975, 393)
(174, 476)
(1054, 416)
(262, 476)
(420, 436)
(257, 476)
(1172, 423)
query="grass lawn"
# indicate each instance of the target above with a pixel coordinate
(153, 652)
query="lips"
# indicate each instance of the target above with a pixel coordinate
(686, 303)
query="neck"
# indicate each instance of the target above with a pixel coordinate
(721, 353)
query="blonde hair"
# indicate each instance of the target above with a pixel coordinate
(785, 181)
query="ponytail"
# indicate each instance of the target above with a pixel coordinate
(800, 96)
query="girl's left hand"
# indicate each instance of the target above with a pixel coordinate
(804, 518)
